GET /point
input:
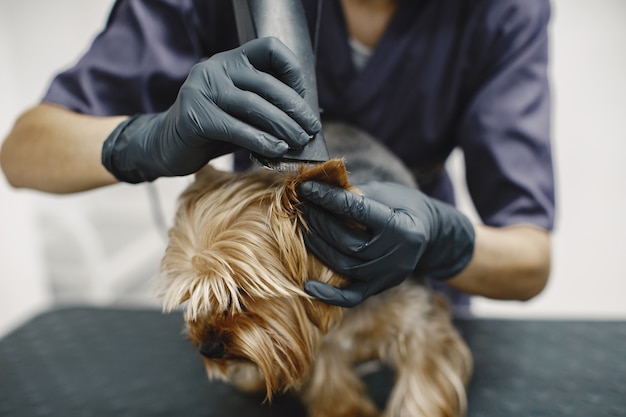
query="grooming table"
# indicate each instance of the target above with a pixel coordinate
(124, 362)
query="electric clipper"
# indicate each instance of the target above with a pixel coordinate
(285, 20)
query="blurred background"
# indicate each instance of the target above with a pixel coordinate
(102, 247)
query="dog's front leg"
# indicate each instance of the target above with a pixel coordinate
(334, 389)
(431, 361)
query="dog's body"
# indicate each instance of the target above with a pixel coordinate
(237, 257)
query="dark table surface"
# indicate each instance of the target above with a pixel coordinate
(126, 362)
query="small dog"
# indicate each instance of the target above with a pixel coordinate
(237, 259)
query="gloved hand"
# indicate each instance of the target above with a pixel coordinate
(405, 231)
(249, 97)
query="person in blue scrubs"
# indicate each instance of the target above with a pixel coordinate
(165, 88)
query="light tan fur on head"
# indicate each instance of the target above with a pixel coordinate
(224, 221)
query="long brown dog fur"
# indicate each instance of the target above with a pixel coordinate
(237, 262)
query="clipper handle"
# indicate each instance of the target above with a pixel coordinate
(285, 20)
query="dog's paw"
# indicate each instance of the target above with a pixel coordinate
(247, 378)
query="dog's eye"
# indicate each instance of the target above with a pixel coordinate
(212, 350)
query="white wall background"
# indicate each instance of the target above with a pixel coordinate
(89, 238)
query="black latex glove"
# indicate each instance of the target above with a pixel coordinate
(405, 231)
(249, 97)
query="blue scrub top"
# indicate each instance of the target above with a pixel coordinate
(445, 74)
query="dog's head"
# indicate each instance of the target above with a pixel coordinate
(236, 259)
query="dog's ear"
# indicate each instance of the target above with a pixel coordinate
(332, 172)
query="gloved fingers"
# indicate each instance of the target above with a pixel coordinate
(334, 231)
(349, 296)
(244, 135)
(394, 195)
(272, 56)
(254, 110)
(280, 95)
(341, 263)
(362, 266)
(365, 245)
(370, 213)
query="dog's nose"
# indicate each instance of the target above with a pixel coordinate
(212, 350)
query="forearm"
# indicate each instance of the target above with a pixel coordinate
(508, 263)
(55, 150)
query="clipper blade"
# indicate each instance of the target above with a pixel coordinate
(281, 165)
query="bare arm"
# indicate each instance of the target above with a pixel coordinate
(508, 263)
(56, 150)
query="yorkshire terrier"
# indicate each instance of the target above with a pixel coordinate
(236, 262)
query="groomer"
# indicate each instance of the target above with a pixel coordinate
(423, 77)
